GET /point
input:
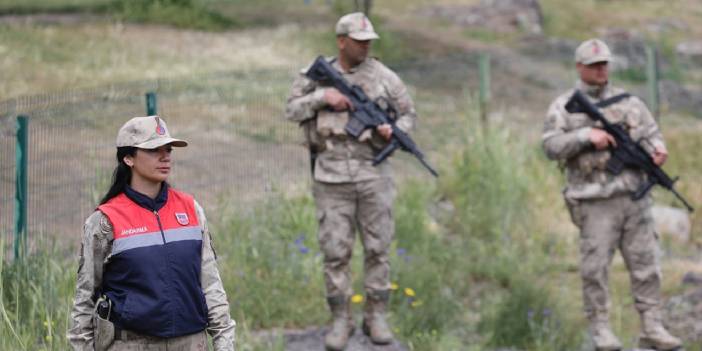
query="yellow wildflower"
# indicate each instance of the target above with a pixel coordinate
(394, 286)
(357, 298)
(417, 303)
(409, 292)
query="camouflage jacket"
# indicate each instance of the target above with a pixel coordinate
(95, 254)
(341, 158)
(566, 139)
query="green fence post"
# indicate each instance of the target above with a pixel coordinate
(21, 186)
(484, 69)
(151, 107)
(652, 80)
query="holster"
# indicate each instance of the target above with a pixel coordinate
(104, 329)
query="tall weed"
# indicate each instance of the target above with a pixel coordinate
(35, 300)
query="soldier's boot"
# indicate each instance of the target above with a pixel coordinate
(342, 323)
(374, 324)
(654, 335)
(604, 338)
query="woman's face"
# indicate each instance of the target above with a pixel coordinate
(153, 165)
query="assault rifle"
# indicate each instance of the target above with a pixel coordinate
(366, 113)
(627, 153)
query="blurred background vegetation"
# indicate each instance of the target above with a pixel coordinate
(485, 258)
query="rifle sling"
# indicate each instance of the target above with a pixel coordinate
(612, 100)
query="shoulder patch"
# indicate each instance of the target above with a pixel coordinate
(182, 218)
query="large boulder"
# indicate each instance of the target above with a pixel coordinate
(673, 222)
(693, 279)
(628, 47)
(684, 315)
(690, 52)
(502, 16)
(679, 97)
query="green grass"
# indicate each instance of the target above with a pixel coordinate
(178, 13)
(271, 266)
(49, 6)
(473, 247)
(35, 299)
(484, 263)
(527, 319)
(481, 244)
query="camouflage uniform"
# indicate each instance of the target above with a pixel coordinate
(89, 332)
(601, 206)
(349, 191)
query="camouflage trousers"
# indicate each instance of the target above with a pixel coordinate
(617, 223)
(341, 209)
(131, 341)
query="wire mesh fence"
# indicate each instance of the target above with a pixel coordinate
(241, 148)
(233, 121)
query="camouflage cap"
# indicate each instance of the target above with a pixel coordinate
(592, 51)
(146, 133)
(357, 26)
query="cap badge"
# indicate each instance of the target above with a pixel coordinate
(159, 128)
(364, 23)
(595, 48)
(182, 218)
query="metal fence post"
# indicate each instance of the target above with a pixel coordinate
(484, 69)
(151, 107)
(21, 199)
(652, 77)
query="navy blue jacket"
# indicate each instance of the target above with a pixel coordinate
(153, 274)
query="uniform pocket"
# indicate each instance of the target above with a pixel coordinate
(579, 120)
(575, 209)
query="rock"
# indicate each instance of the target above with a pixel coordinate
(664, 26)
(684, 316)
(549, 48)
(628, 47)
(441, 211)
(679, 97)
(690, 52)
(672, 221)
(692, 278)
(502, 16)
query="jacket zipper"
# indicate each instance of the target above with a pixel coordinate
(160, 227)
(163, 236)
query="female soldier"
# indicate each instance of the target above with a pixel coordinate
(147, 276)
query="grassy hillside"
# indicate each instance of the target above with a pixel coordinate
(485, 258)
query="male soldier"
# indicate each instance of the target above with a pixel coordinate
(348, 190)
(600, 202)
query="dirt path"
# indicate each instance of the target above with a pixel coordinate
(313, 340)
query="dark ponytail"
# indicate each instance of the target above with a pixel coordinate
(122, 175)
